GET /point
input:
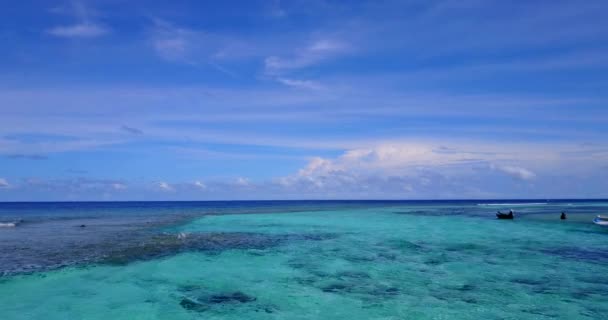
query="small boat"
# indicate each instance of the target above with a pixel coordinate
(601, 221)
(501, 215)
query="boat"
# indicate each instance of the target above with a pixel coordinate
(501, 215)
(601, 221)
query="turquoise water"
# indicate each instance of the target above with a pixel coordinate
(387, 261)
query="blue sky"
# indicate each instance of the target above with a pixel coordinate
(193, 100)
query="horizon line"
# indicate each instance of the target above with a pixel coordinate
(310, 200)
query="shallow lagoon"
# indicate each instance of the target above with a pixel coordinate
(380, 261)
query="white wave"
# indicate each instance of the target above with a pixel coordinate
(514, 204)
(8, 224)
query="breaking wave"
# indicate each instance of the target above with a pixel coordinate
(10, 224)
(514, 204)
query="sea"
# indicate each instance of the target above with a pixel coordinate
(303, 260)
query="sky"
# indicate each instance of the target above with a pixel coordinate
(226, 100)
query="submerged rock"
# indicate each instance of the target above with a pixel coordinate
(337, 287)
(466, 287)
(575, 253)
(404, 245)
(353, 275)
(168, 244)
(465, 247)
(436, 260)
(368, 290)
(359, 258)
(357, 283)
(387, 256)
(230, 298)
(206, 302)
(192, 305)
(529, 281)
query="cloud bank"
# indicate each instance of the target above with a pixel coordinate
(81, 30)
(85, 27)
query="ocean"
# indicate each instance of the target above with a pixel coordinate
(303, 260)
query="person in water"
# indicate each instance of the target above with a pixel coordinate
(563, 216)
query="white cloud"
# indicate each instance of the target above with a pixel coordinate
(85, 27)
(119, 186)
(415, 169)
(301, 84)
(316, 52)
(389, 157)
(171, 43)
(165, 186)
(516, 172)
(242, 182)
(327, 46)
(190, 46)
(200, 185)
(81, 30)
(4, 183)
